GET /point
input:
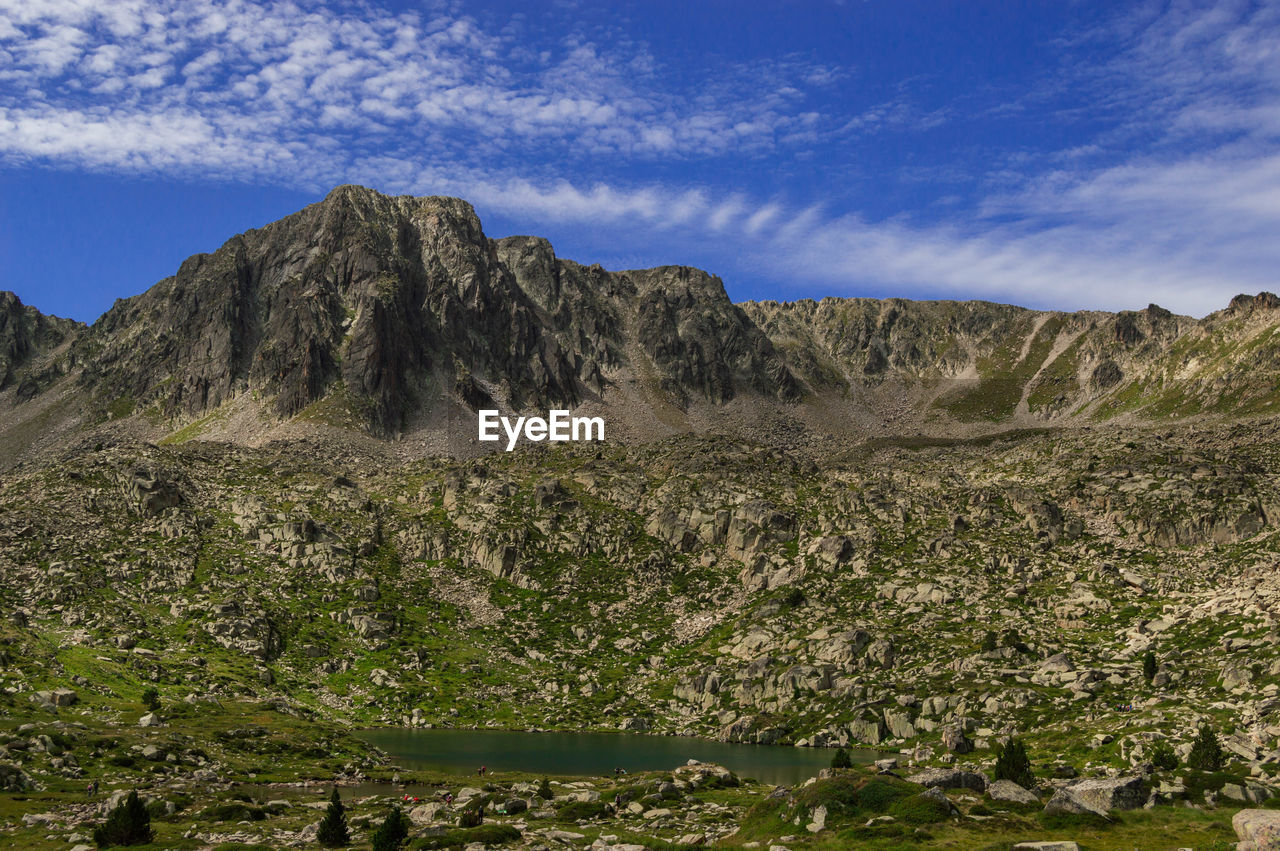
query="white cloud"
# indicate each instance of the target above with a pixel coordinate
(310, 95)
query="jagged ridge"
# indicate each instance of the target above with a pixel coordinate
(401, 308)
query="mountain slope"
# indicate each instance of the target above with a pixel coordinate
(371, 316)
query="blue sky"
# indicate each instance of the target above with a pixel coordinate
(1061, 155)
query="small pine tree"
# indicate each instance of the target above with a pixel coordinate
(1163, 757)
(989, 642)
(393, 832)
(471, 817)
(1206, 753)
(544, 790)
(840, 759)
(1149, 666)
(1012, 763)
(333, 829)
(127, 824)
(151, 699)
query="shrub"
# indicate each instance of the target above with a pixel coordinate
(127, 824)
(1013, 764)
(920, 809)
(471, 817)
(1149, 666)
(1206, 753)
(544, 790)
(151, 699)
(840, 759)
(989, 642)
(1163, 757)
(852, 795)
(488, 834)
(582, 810)
(234, 812)
(333, 831)
(393, 831)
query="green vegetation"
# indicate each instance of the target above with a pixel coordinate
(1163, 757)
(333, 831)
(393, 832)
(471, 817)
(1012, 763)
(1206, 753)
(1003, 376)
(488, 835)
(1149, 666)
(841, 759)
(128, 823)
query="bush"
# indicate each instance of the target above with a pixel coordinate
(852, 795)
(1012, 763)
(919, 809)
(393, 832)
(151, 699)
(989, 642)
(1206, 753)
(488, 834)
(126, 824)
(1163, 757)
(1149, 666)
(582, 810)
(544, 790)
(471, 817)
(841, 759)
(234, 812)
(333, 831)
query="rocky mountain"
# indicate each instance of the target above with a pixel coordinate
(234, 526)
(399, 317)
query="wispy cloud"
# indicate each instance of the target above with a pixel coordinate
(210, 78)
(1174, 198)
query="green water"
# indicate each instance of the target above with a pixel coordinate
(586, 754)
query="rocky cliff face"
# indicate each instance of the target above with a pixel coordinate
(392, 313)
(27, 339)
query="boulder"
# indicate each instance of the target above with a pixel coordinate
(1111, 793)
(936, 794)
(1057, 664)
(13, 779)
(1258, 830)
(698, 774)
(954, 740)
(425, 813)
(1063, 801)
(1007, 790)
(1052, 845)
(56, 697)
(950, 778)
(149, 720)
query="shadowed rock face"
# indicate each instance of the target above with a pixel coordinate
(399, 299)
(381, 294)
(27, 335)
(400, 308)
